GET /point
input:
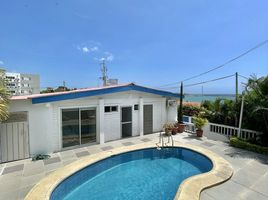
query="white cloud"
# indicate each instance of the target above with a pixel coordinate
(1, 62)
(85, 49)
(95, 48)
(109, 56)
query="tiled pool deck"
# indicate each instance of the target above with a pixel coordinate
(250, 179)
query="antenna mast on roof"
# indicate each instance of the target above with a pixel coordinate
(104, 77)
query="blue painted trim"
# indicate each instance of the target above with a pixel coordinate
(82, 94)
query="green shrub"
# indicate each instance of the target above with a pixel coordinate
(40, 157)
(243, 144)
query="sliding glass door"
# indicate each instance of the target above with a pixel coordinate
(78, 126)
(70, 127)
(88, 126)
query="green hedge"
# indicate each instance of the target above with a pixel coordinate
(243, 144)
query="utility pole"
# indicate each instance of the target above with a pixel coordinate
(236, 87)
(64, 85)
(104, 77)
(202, 93)
(241, 117)
(181, 98)
(236, 96)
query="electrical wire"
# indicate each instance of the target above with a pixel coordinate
(243, 77)
(212, 80)
(201, 83)
(220, 66)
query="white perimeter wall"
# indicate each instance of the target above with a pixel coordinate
(45, 119)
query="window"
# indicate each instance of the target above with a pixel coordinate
(136, 107)
(110, 109)
(26, 78)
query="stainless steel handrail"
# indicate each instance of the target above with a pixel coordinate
(162, 143)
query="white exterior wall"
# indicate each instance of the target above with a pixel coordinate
(40, 125)
(45, 119)
(172, 114)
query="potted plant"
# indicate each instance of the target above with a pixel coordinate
(180, 127)
(175, 129)
(168, 127)
(199, 123)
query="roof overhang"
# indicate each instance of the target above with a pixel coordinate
(53, 97)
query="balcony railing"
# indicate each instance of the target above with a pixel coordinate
(228, 131)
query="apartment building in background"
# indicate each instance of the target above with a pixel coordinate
(22, 84)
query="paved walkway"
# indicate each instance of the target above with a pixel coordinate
(250, 179)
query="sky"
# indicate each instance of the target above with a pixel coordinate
(151, 43)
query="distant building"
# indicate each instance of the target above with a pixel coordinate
(22, 84)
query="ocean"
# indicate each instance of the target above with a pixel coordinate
(200, 98)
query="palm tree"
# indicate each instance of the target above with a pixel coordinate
(4, 97)
(256, 96)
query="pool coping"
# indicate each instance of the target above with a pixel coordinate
(190, 188)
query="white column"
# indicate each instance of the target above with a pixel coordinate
(141, 116)
(101, 121)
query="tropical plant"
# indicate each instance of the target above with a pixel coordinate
(221, 111)
(199, 122)
(4, 97)
(256, 106)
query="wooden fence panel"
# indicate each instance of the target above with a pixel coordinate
(14, 138)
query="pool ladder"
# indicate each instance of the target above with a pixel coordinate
(162, 143)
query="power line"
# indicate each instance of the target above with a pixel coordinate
(243, 77)
(229, 61)
(222, 65)
(203, 82)
(212, 80)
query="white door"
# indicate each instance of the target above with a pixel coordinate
(126, 121)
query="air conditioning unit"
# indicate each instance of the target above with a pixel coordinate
(171, 103)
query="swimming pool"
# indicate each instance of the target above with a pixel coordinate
(141, 174)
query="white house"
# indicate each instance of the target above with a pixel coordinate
(61, 120)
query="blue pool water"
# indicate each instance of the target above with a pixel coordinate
(142, 174)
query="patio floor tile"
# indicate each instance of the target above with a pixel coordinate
(127, 143)
(30, 180)
(208, 144)
(52, 160)
(146, 140)
(24, 191)
(106, 148)
(13, 169)
(53, 166)
(66, 162)
(82, 153)
(33, 171)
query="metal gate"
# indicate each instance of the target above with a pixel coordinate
(14, 138)
(148, 119)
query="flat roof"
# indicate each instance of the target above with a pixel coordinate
(94, 91)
